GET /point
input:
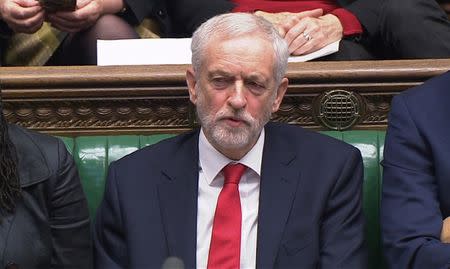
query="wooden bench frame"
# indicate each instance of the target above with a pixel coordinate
(154, 99)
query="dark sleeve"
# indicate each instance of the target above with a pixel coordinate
(110, 250)
(410, 214)
(187, 15)
(69, 216)
(367, 12)
(349, 22)
(342, 230)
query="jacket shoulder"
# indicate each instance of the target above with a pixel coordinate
(432, 90)
(38, 155)
(303, 139)
(161, 151)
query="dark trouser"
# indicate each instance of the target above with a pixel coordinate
(407, 29)
(412, 29)
(349, 50)
(81, 48)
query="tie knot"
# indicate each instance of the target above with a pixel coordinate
(233, 173)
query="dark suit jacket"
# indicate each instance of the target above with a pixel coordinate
(137, 10)
(188, 15)
(309, 211)
(50, 227)
(416, 179)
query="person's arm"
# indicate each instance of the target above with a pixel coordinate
(342, 228)
(305, 31)
(445, 232)
(85, 15)
(411, 219)
(110, 250)
(308, 34)
(308, 31)
(350, 23)
(69, 216)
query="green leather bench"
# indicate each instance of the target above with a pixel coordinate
(94, 153)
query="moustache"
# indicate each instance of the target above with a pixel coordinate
(241, 115)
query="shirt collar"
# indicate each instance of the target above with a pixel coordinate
(211, 161)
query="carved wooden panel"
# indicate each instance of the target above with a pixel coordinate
(99, 115)
(151, 99)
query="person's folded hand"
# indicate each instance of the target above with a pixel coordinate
(22, 16)
(85, 15)
(306, 35)
(274, 18)
(445, 233)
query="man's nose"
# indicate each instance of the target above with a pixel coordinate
(237, 98)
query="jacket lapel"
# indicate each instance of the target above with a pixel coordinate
(279, 177)
(178, 199)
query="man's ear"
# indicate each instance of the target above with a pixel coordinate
(191, 83)
(280, 94)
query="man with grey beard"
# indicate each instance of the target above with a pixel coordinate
(239, 192)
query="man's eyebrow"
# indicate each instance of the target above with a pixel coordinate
(219, 73)
(257, 77)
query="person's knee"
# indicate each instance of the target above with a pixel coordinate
(397, 12)
(110, 27)
(407, 26)
(402, 18)
(409, 11)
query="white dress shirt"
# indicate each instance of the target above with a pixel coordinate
(210, 184)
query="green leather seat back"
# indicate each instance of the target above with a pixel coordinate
(93, 154)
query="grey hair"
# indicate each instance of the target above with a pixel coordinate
(231, 25)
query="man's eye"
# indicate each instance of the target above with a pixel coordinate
(255, 86)
(220, 82)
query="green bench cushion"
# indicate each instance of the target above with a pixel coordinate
(93, 154)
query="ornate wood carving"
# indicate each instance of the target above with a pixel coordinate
(151, 99)
(61, 115)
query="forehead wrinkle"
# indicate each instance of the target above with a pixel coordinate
(219, 72)
(252, 76)
(257, 76)
(220, 59)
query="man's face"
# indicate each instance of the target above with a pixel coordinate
(235, 92)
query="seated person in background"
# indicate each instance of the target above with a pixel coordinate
(44, 218)
(239, 192)
(415, 202)
(384, 29)
(31, 35)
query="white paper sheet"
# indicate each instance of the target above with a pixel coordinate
(159, 51)
(327, 50)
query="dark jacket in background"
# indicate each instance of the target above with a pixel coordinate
(50, 227)
(416, 177)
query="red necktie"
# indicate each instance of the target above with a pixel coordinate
(225, 248)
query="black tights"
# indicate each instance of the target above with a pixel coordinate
(81, 48)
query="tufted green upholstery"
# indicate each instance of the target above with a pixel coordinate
(94, 153)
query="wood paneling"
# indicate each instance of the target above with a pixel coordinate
(152, 99)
